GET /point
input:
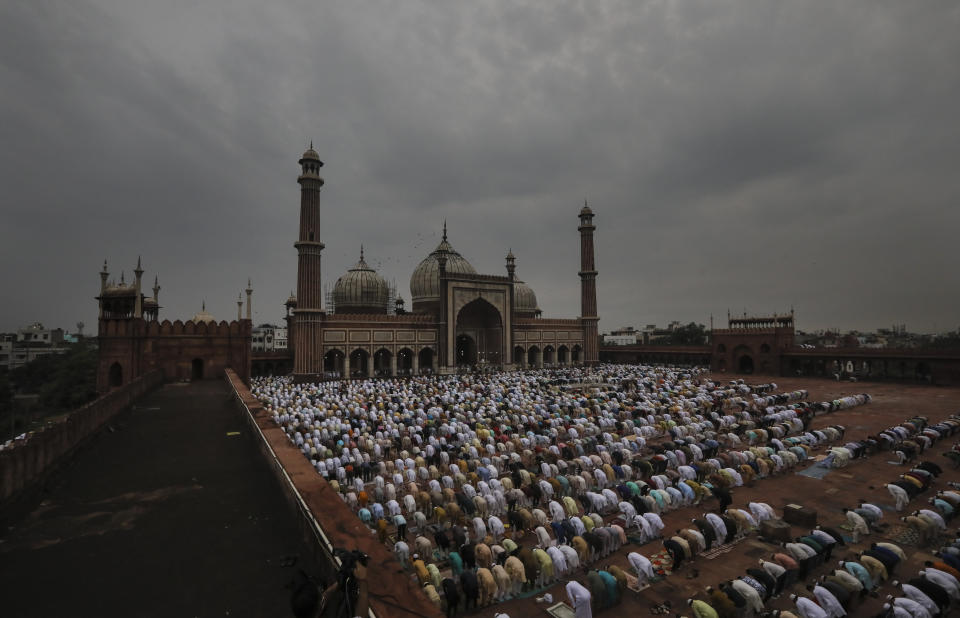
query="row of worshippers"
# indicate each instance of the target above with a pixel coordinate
(489, 572)
(608, 496)
(831, 595)
(934, 591)
(839, 593)
(670, 498)
(712, 527)
(909, 439)
(589, 433)
(712, 530)
(648, 522)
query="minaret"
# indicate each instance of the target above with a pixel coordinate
(588, 288)
(308, 314)
(249, 291)
(103, 285)
(156, 290)
(239, 305)
(138, 306)
(512, 274)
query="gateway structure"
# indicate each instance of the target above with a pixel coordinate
(459, 319)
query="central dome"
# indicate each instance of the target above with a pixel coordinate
(425, 281)
(361, 290)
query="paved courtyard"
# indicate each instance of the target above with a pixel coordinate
(170, 512)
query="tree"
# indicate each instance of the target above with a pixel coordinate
(64, 381)
(6, 393)
(690, 334)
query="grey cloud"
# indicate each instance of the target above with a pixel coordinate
(738, 154)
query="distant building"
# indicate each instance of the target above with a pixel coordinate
(30, 343)
(269, 338)
(626, 335)
(37, 334)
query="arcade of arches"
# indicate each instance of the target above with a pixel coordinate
(381, 362)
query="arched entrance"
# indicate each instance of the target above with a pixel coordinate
(563, 355)
(196, 369)
(466, 353)
(575, 355)
(405, 362)
(333, 363)
(743, 359)
(381, 362)
(519, 356)
(533, 356)
(358, 363)
(425, 360)
(116, 375)
(548, 356)
(480, 322)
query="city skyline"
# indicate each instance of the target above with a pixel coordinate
(737, 156)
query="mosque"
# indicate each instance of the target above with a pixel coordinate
(459, 319)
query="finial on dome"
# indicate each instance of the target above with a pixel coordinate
(311, 144)
(361, 252)
(203, 305)
(121, 277)
(444, 229)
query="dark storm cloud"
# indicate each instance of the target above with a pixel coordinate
(741, 155)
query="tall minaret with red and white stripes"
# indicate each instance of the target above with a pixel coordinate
(588, 288)
(308, 315)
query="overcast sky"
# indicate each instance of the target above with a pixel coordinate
(738, 155)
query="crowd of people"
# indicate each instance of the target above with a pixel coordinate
(478, 461)
(836, 593)
(496, 486)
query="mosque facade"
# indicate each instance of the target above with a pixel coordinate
(458, 320)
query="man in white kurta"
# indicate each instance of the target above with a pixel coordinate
(642, 565)
(806, 608)
(914, 609)
(580, 599)
(915, 594)
(828, 602)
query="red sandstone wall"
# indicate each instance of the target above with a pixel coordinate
(26, 463)
(140, 346)
(392, 592)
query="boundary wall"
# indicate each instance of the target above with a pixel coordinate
(325, 520)
(28, 462)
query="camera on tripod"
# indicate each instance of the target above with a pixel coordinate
(348, 561)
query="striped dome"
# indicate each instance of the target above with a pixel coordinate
(524, 300)
(425, 281)
(361, 290)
